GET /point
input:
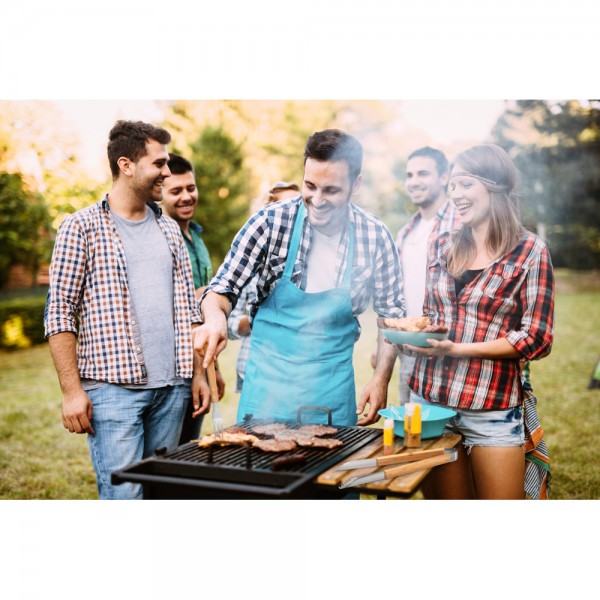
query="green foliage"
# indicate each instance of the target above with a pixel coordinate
(24, 226)
(22, 322)
(222, 186)
(556, 146)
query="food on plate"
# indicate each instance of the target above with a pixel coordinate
(417, 324)
(226, 439)
(272, 445)
(287, 461)
(319, 442)
(269, 428)
(318, 430)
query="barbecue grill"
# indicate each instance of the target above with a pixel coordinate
(237, 472)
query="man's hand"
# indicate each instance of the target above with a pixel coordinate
(200, 393)
(77, 413)
(375, 395)
(210, 338)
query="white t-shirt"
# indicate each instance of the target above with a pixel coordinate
(414, 266)
(322, 259)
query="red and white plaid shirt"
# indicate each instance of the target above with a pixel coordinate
(513, 298)
(88, 285)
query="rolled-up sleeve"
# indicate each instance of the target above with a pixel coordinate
(67, 274)
(247, 253)
(534, 338)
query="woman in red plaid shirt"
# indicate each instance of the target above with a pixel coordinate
(491, 284)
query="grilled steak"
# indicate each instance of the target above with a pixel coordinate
(292, 434)
(274, 445)
(317, 430)
(226, 439)
(237, 429)
(319, 442)
(269, 428)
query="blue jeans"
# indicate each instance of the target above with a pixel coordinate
(130, 425)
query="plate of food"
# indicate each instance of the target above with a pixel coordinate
(412, 330)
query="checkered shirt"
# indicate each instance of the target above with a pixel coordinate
(514, 299)
(89, 296)
(446, 219)
(262, 245)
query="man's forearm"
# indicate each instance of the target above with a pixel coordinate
(63, 348)
(386, 358)
(215, 305)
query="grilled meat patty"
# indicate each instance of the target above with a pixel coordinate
(319, 442)
(272, 445)
(317, 430)
(269, 428)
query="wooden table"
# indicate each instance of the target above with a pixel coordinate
(403, 487)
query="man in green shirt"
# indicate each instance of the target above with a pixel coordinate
(180, 198)
(179, 201)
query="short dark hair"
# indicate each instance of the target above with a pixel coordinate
(333, 145)
(179, 165)
(128, 139)
(441, 162)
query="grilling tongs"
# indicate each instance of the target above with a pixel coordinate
(443, 456)
(217, 419)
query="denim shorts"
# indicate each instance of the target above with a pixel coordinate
(484, 427)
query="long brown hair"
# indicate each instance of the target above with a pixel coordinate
(497, 172)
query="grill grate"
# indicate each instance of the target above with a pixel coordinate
(236, 471)
(237, 456)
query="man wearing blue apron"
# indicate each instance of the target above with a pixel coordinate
(320, 259)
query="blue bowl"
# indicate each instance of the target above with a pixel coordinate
(414, 338)
(433, 419)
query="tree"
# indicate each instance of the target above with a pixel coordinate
(24, 227)
(556, 145)
(222, 189)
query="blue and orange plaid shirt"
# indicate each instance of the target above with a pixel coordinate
(261, 247)
(89, 296)
(513, 298)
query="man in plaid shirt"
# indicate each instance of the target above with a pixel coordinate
(120, 312)
(319, 260)
(426, 184)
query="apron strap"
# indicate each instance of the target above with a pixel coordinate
(290, 261)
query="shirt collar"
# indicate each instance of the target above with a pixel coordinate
(155, 208)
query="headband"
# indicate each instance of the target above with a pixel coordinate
(476, 177)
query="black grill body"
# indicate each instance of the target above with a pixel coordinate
(236, 472)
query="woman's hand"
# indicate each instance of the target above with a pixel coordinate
(438, 348)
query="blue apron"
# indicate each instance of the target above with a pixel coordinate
(301, 349)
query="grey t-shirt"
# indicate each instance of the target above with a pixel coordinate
(150, 280)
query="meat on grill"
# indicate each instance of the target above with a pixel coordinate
(292, 434)
(272, 445)
(319, 442)
(237, 429)
(226, 439)
(318, 430)
(269, 428)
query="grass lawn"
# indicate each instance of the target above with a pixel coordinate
(39, 459)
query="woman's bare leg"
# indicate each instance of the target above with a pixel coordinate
(452, 481)
(498, 472)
